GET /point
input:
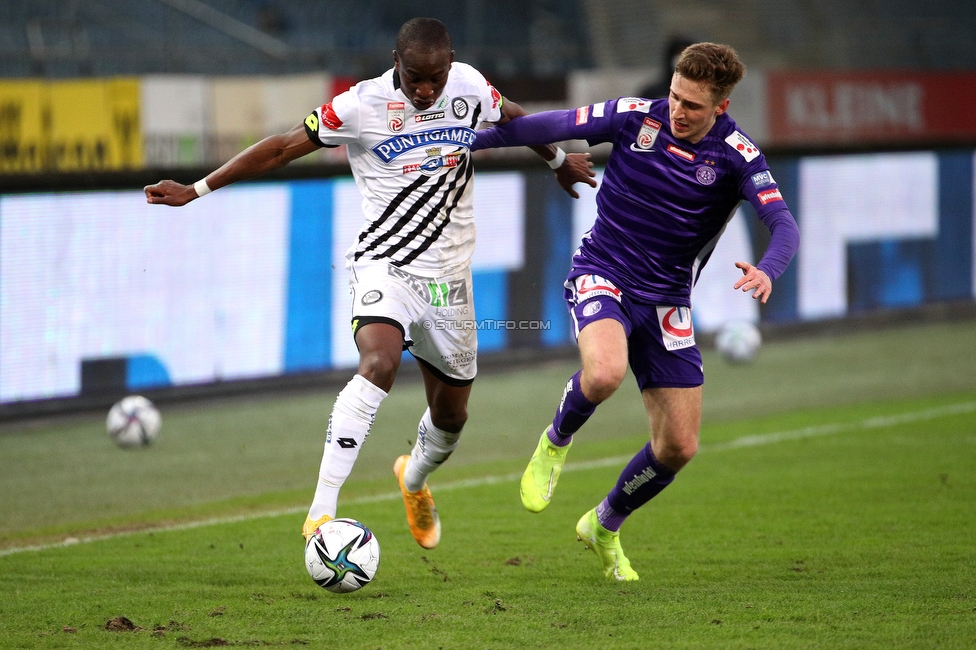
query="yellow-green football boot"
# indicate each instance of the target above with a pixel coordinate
(606, 545)
(539, 479)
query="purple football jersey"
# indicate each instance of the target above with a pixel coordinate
(663, 202)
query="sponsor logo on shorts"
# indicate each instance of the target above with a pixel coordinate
(453, 293)
(768, 196)
(705, 175)
(395, 112)
(590, 286)
(681, 153)
(676, 328)
(372, 297)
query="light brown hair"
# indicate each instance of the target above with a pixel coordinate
(717, 66)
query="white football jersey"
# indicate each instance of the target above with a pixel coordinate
(412, 167)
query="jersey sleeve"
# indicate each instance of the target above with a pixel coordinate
(758, 186)
(336, 122)
(491, 104)
(584, 123)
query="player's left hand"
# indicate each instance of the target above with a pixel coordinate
(577, 168)
(754, 280)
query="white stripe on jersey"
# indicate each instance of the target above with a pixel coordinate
(412, 167)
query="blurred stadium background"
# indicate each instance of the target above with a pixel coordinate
(865, 111)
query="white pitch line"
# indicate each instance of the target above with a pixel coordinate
(738, 443)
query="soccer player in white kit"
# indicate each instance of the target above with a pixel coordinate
(407, 134)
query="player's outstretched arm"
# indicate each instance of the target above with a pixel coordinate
(784, 240)
(271, 153)
(570, 168)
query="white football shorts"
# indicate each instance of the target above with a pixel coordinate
(436, 315)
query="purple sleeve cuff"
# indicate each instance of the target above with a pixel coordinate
(535, 129)
(783, 243)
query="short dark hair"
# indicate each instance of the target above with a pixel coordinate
(427, 33)
(716, 65)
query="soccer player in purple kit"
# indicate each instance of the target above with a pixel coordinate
(677, 171)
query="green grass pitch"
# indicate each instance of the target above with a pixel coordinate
(831, 506)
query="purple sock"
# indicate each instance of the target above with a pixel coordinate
(608, 517)
(574, 410)
(642, 480)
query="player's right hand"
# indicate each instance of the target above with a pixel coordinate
(577, 168)
(170, 193)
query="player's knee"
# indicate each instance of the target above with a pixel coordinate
(675, 454)
(450, 419)
(602, 381)
(379, 368)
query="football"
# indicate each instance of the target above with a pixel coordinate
(133, 422)
(342, 556)
(738, 341)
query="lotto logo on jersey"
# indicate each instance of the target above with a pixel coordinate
(676, 328)
(741, 143)
(395, 112)
(627, 104)
(428, 117)
(647, 135)
(769, 196)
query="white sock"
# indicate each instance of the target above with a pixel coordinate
(352, 416)
(432, 448)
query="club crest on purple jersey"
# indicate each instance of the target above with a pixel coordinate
(706, 175)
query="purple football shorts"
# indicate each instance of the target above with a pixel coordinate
(660, 339)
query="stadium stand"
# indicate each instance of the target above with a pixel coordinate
(507, 38)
